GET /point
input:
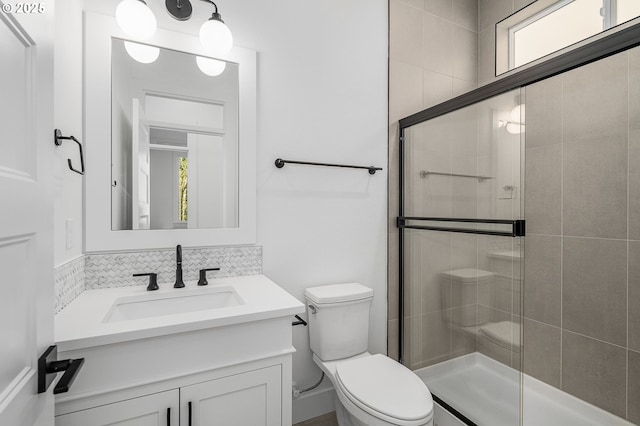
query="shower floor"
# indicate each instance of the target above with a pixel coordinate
(488, 393)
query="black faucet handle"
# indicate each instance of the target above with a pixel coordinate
(203, 275)
(153, 280)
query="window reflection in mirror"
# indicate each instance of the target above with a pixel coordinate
(547, 26)
(174, 142)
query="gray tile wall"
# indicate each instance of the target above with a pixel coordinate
(433, 57)
(582, 262)
(442, 317)
(582, 201)
(438, 49)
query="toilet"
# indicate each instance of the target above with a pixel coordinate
(372, 390)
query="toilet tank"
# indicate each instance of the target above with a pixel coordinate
(338, 319)
(460, 290)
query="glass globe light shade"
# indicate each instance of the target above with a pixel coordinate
(136, 19)
(211, 67)
(516, 126)
(518, 114)
(216, 37)
(141, 52)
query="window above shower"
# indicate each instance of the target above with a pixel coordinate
(547, 26)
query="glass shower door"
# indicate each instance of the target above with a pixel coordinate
(460, 226)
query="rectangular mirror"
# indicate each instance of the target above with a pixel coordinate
(170, 144)
(174, 139)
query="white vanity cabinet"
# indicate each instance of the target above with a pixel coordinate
(250, 398)
(231, 366)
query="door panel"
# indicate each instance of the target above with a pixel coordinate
(252, 398)
(14, 113)
(141, 159)
(150, 410)
(26, 244)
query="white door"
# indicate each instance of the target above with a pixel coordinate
(141, 171)
(207, 193)
(26, 210)
(158, 409)
(253, 398)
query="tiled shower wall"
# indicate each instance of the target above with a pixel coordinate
(582, 291)
(433, 57)
(103, 270)
(456, 283)
(582, 261)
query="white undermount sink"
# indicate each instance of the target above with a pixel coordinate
(157, 305)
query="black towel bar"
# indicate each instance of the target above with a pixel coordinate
(280, 164)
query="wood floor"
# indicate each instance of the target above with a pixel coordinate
(328, 419)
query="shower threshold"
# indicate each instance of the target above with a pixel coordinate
(488, 393)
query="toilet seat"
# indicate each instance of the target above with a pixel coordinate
(385, 389)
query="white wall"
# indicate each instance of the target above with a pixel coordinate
(322, 96)
(206, 182)
(67, 117)
(162, 188)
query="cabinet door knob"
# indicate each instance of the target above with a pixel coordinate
(189, 413)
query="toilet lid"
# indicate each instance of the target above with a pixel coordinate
(386, 387)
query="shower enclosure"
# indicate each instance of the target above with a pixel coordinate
(510, 324)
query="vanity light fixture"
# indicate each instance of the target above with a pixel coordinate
(138, 21)
(142, 53)
(211, 67)
(516, 124)
(215, 36)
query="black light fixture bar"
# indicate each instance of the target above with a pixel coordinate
(280, 164)
(600, 48)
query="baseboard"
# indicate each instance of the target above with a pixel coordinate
(314, 403)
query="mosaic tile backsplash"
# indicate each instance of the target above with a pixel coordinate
(116, 269)
(68, 282)
(106, 270)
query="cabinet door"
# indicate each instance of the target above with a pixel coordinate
(160, 409)
(253, 398)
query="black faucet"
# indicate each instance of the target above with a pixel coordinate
(153, 280)
(179, 283)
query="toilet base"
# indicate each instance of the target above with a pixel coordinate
(347, 413)
(344, 417)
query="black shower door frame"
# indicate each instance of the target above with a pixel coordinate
(619, 41)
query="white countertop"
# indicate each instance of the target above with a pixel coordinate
(81, 324)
